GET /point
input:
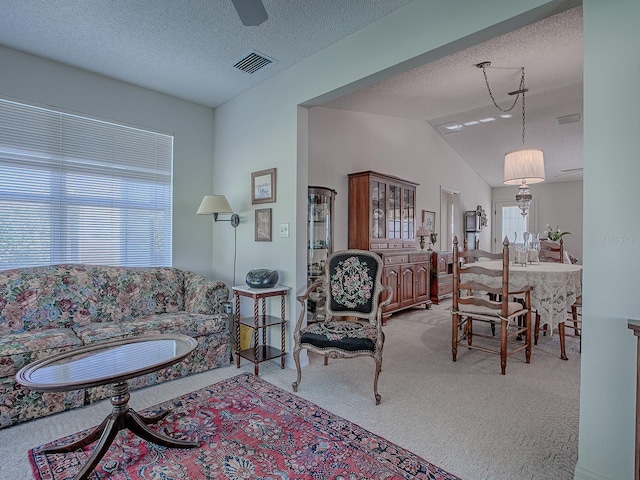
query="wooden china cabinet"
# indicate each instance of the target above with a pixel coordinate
(382, 218)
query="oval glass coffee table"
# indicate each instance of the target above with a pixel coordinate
(110, 363)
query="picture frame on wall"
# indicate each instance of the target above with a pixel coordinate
(429, 220)
(263, 225)
(263, 186)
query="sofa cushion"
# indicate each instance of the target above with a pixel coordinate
(59, 296)
(128, 293)
(20, 349)
(191, 324)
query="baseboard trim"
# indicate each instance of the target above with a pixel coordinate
(582, 474)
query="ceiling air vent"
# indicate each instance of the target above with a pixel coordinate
(576, 117)
(253, 61)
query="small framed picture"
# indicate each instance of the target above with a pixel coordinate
(429, 220)
(263, 225)
(263, 186)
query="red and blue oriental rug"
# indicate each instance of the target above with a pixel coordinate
(247, 429)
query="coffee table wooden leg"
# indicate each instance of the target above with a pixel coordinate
(138, 425)
(121, 417)
(83, 442)
(106, 439)
(155, 418)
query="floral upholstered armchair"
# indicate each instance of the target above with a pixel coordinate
(353, 326)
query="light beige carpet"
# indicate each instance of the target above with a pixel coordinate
(464, 417)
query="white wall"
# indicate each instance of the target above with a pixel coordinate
(35, 80)
(611, 239)
(343, 142)
(557, 203)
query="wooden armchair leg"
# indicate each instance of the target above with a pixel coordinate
(296, 358)
(536, 329)
(375, 382)
(326, 360)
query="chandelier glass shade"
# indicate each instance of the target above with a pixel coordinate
(525, 165)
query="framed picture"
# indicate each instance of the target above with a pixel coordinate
(429, 220)
(263, 186)
(263, 225)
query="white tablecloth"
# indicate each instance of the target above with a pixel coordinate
(556, 286)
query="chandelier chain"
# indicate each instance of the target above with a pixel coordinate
(521, 90)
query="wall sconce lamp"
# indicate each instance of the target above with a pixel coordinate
(216, 204)
(421, 233)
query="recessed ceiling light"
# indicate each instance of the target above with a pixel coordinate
(472, 122)
(450, 127)
(506, 115)
(488, 119)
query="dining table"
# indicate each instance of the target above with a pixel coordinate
(556, 287)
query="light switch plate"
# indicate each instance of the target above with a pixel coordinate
(284, 230)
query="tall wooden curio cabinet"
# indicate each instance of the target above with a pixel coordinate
(382, 218)
(319, 245)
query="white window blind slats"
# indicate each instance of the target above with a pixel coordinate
(81, 190)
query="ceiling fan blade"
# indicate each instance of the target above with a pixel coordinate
(251, 12)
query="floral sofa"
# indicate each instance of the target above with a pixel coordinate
(51, 309)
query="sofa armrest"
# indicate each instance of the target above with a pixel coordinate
(202, 295)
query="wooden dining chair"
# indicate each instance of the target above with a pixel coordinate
(551, 251)
(575, 329)
(485, 296)
(354, 303)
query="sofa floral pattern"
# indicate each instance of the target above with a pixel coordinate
(52, 309)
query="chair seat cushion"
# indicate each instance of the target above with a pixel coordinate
(513, 308)
(343, 335)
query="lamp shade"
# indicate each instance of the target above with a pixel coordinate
(525, 165)
(214, 204)
(422, 231)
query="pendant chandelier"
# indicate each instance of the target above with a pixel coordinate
(523, 166)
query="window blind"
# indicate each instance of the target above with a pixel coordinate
(81, 190)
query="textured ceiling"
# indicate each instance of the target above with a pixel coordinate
(452, 89)
(182, 48)
(187, 49)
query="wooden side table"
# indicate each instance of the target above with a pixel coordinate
(260, 322)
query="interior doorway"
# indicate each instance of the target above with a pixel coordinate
(450, 219)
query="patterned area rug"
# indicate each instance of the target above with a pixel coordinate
(248, 429)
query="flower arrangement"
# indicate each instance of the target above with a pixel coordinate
(554, 233)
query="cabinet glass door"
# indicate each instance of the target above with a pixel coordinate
(394, 213)
(408, 214)
(378, 209)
